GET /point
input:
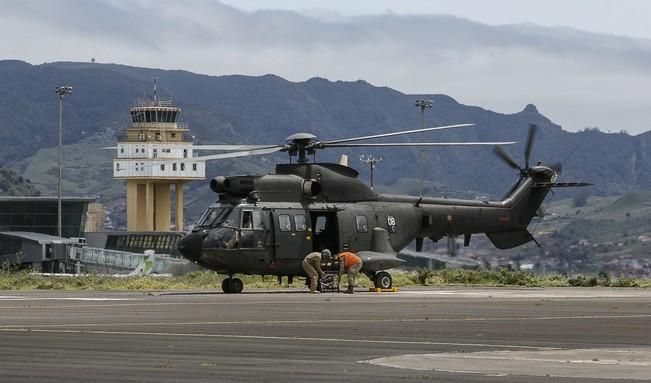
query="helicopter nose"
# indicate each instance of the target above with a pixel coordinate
(190, 245)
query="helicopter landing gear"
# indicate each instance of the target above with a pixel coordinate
(232, 285)
(383, 280)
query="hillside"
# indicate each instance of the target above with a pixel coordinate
(266, 109)
(11, 184)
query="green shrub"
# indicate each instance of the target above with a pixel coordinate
(24, 280)
(624, 282)
(420, 276)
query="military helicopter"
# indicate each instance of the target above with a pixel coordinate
(266, 224)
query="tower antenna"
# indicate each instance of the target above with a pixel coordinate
(155, 92)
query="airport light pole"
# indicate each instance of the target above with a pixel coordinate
(422, 104)
(371, 161)
(60, 92)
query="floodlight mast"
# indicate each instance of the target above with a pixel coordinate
(60, 92)
(422, 104)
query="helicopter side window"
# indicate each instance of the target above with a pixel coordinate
(284, 222)
(321, 224)
(361, 223)
(299, 222)
(247, 219)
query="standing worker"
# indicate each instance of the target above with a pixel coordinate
(351, 264)
(312, 267)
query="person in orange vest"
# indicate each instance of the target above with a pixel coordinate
(350, 264)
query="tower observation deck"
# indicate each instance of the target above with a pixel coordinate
(154, 154)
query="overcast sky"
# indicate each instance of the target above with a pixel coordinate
(623, 17)
(499, 54)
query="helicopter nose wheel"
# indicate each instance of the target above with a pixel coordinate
(232, 285)
(383, 280)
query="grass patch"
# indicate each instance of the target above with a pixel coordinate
(490, 278)
(209, 280)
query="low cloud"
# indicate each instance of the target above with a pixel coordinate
(576, 78)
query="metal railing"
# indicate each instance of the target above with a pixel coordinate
(114, 258)
(185, 137)
(125, 261)
(151, 103)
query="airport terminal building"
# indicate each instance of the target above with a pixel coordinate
(28, 229)
(39, 215)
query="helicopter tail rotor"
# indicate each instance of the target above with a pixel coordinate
(533, 129)
(502, 154)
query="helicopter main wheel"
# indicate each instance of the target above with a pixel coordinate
(383, 280)
(232, 285)
(226, 286)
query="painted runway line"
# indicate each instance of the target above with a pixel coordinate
(88, 299)
(530, 293)
(264, 337)
(328, 321)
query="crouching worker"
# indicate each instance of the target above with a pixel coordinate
(312, 267)
(350, 264)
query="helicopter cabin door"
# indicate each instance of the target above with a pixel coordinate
(252, 233)
(292, 234)
(325, 231)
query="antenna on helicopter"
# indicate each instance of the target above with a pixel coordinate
(371, 161)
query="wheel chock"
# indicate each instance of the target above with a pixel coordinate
(380, 290)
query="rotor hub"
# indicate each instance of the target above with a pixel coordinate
(301, 145)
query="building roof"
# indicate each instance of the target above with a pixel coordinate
(45, 199)
(36, 237)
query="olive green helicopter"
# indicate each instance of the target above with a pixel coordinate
(266, 224)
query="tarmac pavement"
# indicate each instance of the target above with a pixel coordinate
(415, 335)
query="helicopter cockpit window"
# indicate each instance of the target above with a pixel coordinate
(362, 225)
(213, 216)
(299, 221)
(284, 223)
(233, 219)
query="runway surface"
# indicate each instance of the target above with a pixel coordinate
(418, 335)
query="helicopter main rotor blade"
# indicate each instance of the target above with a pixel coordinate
(533, 128)
(389, 144)
(231, 147)
(505, 157)
(255, 152)
(393, 134)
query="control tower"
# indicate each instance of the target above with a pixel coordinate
(154, 154)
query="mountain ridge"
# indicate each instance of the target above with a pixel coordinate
(266, 109)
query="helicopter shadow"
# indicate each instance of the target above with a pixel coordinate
(248, 292)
